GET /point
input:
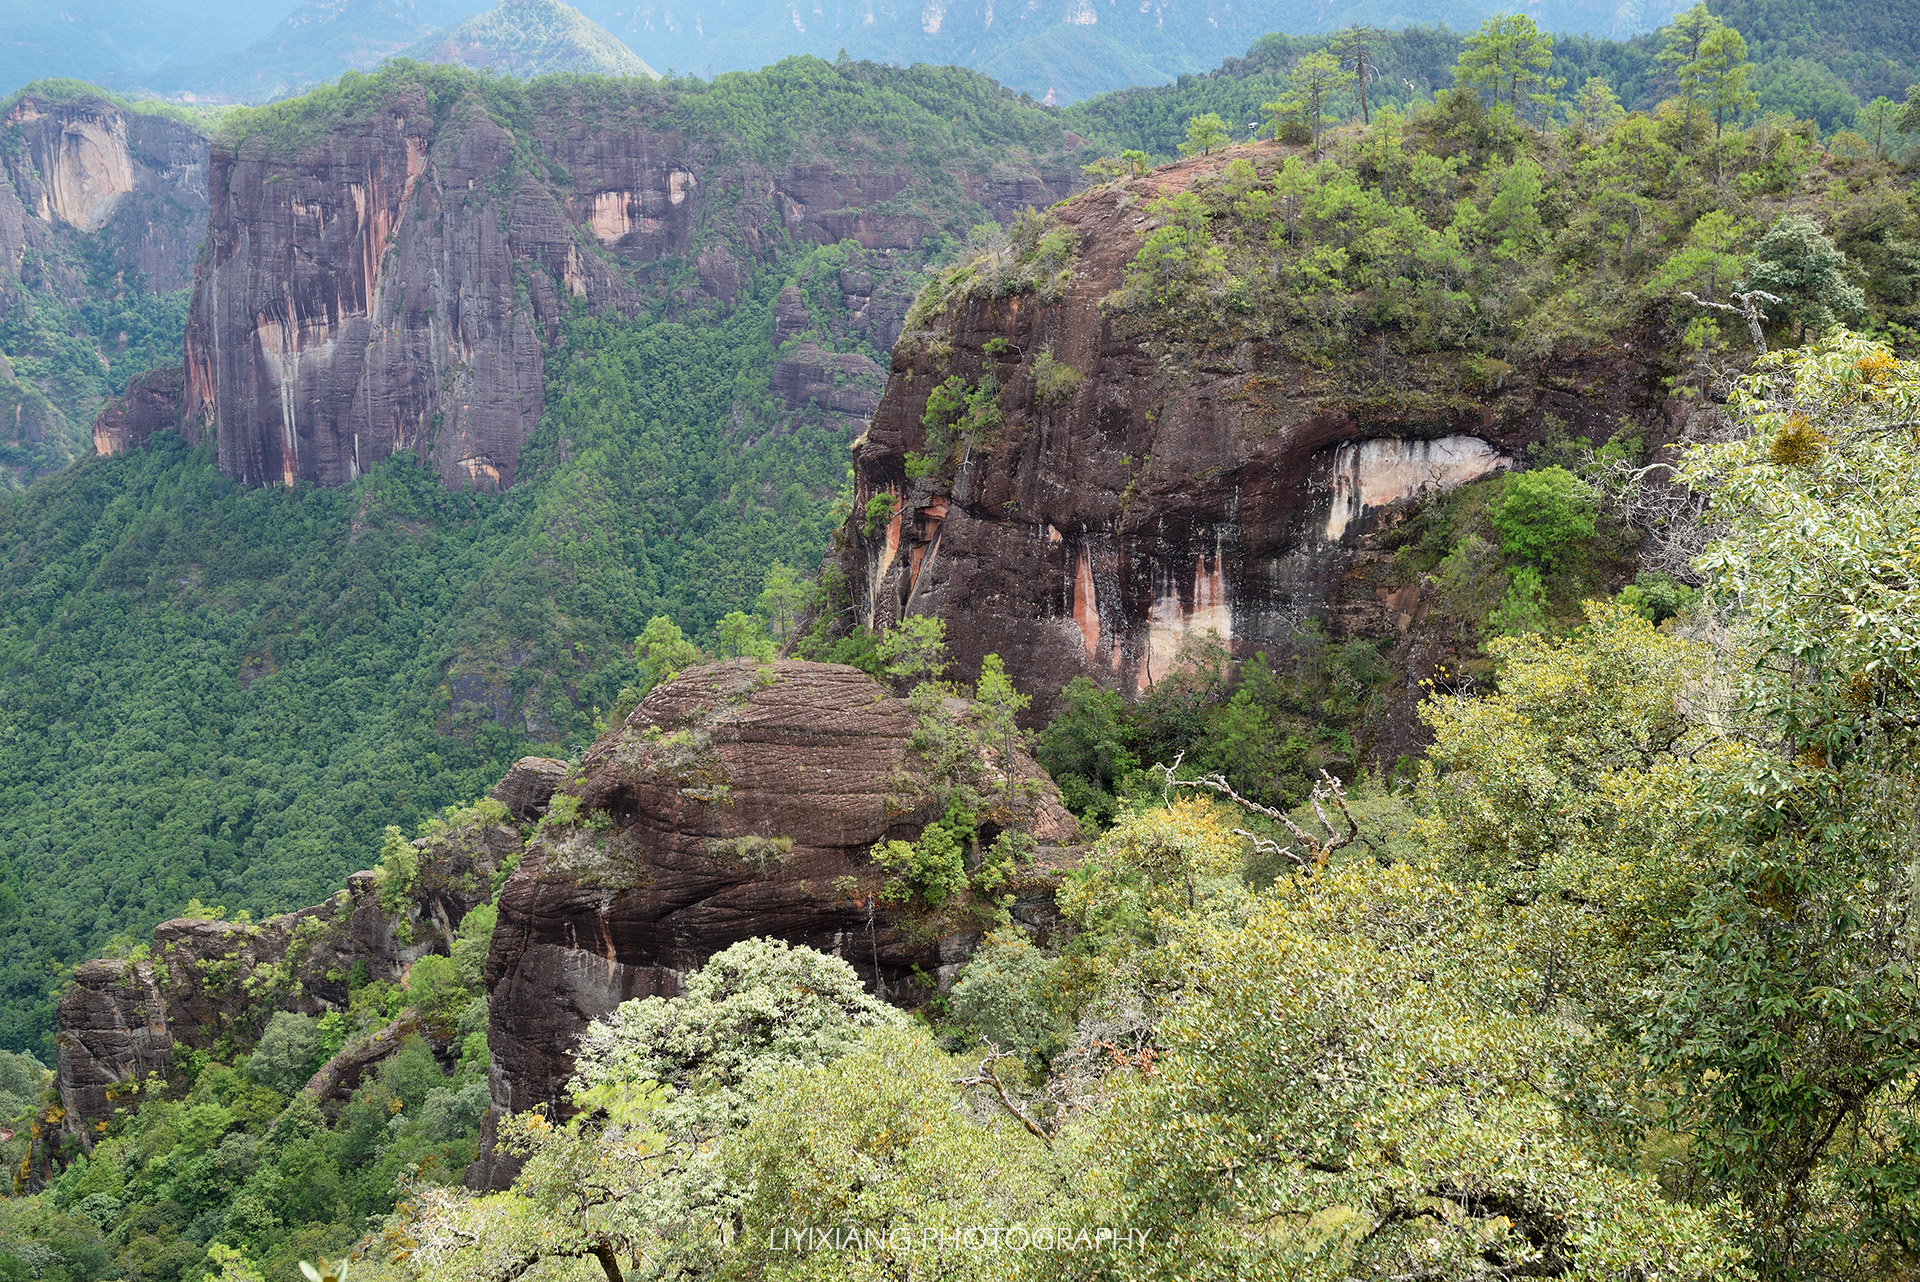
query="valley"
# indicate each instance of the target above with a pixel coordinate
(620, 676)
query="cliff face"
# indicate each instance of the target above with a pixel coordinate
(213, 985)
(393, 283)
(93, 198)
(1150, 490)
(738, 800)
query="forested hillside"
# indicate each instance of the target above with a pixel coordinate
(226, 693)
(1821, 62)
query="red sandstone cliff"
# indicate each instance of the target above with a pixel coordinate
(1168, 487)
(391, 282)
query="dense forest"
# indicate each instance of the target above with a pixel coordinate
(1616, 982)
(215, 692)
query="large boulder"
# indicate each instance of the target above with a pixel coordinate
(738, 800)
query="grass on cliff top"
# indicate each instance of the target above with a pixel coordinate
(202, 118)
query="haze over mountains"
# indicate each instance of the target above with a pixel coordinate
(229, 52)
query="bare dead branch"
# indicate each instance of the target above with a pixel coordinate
(1749, 311)
(988, 1076)
(1329, 788)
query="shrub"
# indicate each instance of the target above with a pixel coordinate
(1542, 514)
(288, 1052)
(1055, 380)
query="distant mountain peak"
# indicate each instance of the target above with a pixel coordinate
(531, 38)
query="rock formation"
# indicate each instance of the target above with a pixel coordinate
(1151, 492)
(391, 282)
(88, 190)
(736, 801)
(150, 404)
(212, 985)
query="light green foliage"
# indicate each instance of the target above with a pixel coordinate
(1523, 607)
(744, 636)
(1596, 108)
(784, 601)
(1130, 163)
(437, 990)
(471, 941)
(662, 651)
(958, 418)
(880, 510)
(1316, 81)
(1206, 134)
(928, 872)
(1153, 871)
(913, 651)
(872, 1142)
(1056, 381)
(399, 866)
(287, 1054)
(658, 1083)
(1796, 261)
(1543, 514)
(1506, 59)
(1350, 1091)
(1708, 263)
(1658, 597)
(1001, 997)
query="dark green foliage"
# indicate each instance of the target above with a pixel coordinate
(1797, 262)
(229, 694)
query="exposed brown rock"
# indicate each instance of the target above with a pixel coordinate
(528, 786)
(393, 285)
(739, 800)
(1181, 486)
(213, 985)
(151, 404)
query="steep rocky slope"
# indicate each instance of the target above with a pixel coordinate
(385, 272)
(736, 801)
(1136, 489)
(102, 209)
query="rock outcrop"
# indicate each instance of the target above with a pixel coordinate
(1153, 490)
(392, 282)
(213, 985)
(150, 404)
(736, 801)
(89, 191)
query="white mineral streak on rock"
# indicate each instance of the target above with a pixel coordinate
(1170, 621)
(1376, 473)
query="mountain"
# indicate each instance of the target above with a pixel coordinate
(531, 38)
(313, 44)
(630, 327)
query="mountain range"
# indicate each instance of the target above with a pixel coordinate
(1068, 49)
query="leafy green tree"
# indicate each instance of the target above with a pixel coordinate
(1708, 263)
(1686, 38)
(1085, 748)
(913, 651)
(1206, 133)
(287, 1054)
(1311, 87)
(662, 651)
(1543, 514)
(784, 601)
(744, 636)
(1597, 107)
(1509, 55)
(1796, 261)
(1724, 74)
(1878, 119)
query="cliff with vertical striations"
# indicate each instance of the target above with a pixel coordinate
(390, 278)
(1135, 490)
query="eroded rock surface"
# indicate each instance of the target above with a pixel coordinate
(394, 284)
(739, 800)
(213, 985)
(1161, 488)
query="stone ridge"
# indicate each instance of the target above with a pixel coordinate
(739, 800)
(1179, 486)
(394, 284)
(213, 985)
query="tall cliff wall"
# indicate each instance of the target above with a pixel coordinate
(98, 204)
(1138, 489)
(392, 280)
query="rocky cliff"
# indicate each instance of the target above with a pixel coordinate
(1132, 489)
(736, 801)
(389, 276)
(213, 985)
(99, 205)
